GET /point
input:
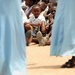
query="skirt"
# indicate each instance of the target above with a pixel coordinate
(12, 39)
(63, 31)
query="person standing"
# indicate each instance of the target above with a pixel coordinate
(63, 38)
(12, 39)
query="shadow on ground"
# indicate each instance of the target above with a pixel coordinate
(45, 67)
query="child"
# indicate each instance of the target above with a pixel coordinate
(27, 28)
(37, 20)
(48, 12)
(43, 7)
(29, 3)
(49, 25)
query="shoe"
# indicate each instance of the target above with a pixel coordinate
(28, 37)
(68, 64)
(42, 40)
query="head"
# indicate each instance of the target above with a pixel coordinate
(36, 10)
(37, 1)
(42, 5)
(55, 4)
(22, 0)
(30, 2)
(46, 1)
(50, 5)
(53, 11)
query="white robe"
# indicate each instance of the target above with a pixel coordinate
(12, 39)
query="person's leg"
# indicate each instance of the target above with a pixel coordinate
(28, 27)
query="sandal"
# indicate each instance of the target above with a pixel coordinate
(68, 64)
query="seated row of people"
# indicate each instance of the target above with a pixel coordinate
(38, 21)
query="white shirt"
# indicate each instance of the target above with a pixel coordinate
(34, 20)
(23, 4)
(24, 17)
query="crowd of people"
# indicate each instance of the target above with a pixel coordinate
(38, 18)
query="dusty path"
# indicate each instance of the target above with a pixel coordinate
(39, 62)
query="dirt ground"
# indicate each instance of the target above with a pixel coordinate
(39, 62)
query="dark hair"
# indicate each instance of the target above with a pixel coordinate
(35, 1)
(42, 5)
(36, 5)
(46, 1)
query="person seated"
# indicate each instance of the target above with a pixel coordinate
(53, 11)
(29, 3)
(43, 7)
(27, 28)
(37, 21)
(48, 12)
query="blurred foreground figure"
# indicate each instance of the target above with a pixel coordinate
(12, 39)
(63, 32)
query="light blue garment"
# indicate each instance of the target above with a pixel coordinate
(63, 32)
(12, 39)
